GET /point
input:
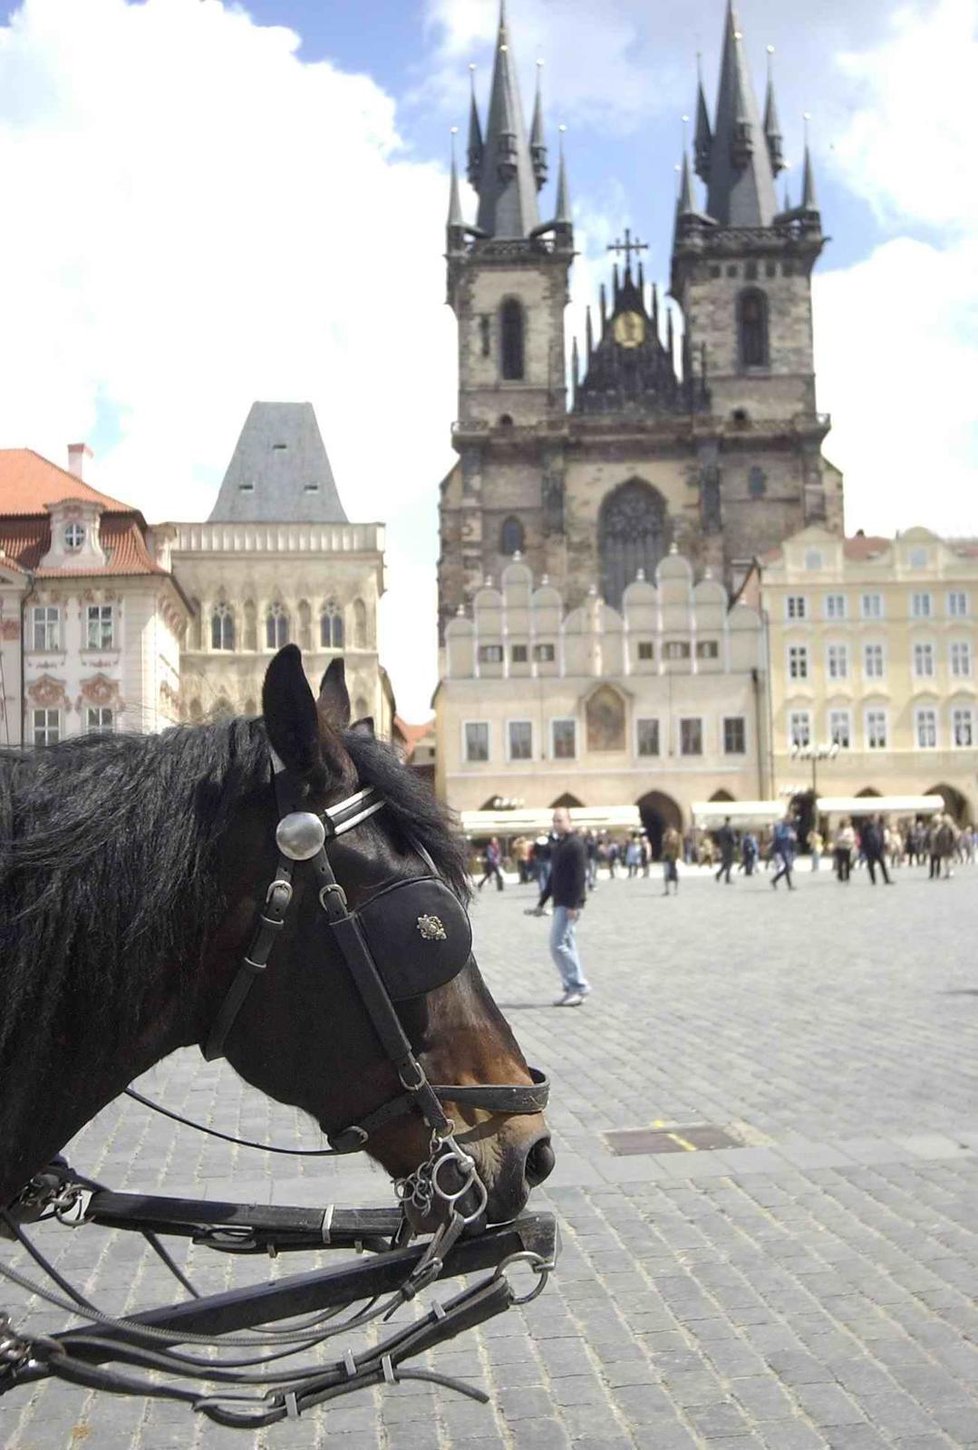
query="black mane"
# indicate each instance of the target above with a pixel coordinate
(108, 857)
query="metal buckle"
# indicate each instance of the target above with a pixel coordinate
(335, 888)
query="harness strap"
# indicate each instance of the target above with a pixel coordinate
(277, 901)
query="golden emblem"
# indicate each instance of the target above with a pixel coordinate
(431, 928)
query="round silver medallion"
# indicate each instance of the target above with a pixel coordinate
(300, 836)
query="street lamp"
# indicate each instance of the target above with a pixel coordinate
(815, 753)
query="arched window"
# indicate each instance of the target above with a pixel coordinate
(511, 336)
(276, 627)
(633, 534)
(330, 626)
(222, 627)
(305, 625)
(511, 537)
(752, 328)
(359, 624)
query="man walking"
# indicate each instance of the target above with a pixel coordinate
(874, 849)
(672, 845)
(568, 889)
(783, 850)
(726, 842)
(494, 858)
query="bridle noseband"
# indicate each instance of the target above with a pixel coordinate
(376, 963)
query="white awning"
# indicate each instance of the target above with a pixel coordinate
(536, 821)
(704, 811)
(871, 805)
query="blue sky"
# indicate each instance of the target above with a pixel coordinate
(211, 209)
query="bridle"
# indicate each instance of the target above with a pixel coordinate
(422, 909)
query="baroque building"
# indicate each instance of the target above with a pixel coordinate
(277, 562)
(699, 430)
(91, 618)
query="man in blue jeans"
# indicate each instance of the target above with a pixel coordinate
(567, 888)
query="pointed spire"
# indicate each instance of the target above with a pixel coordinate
(772, 125)
(741, 186)
(703, 140)
(474, 158)
(603, 296)
(563, 216)
(655, 311)
(809, 199)
(508, 187)
(686, 205)
(455, 218)
(670, 338)
(588, 332)
(538, 146)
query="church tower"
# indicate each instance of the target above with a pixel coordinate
(507, 285)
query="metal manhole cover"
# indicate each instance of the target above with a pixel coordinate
(701, 1137)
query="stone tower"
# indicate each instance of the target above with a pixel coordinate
(694, 427)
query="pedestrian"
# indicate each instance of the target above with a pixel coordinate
(614, 856)
(591, 851)
(874, 849)
(493, 858)
(816, 845)
(783, 845)
(845, 844)
(748, 852)
(567, 887)
(541, 861)
(672, 845)
(633, 857)
(943, 844)
(727, 841)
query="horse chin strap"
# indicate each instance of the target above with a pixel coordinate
(449, 1174)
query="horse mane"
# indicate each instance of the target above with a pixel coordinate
(109, 852)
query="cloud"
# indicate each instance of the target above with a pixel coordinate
(194, 219)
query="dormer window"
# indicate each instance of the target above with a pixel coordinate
(74, 537)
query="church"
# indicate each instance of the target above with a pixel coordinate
(699, 431)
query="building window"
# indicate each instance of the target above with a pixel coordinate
(756, 481)
(799, 728)
(923, 661)
(359, 624)
(544, 654)
(876, 729)
(74, 537)
(873, 662)
(99, 627)
(485, 334)
(707, 649)
(871, 606)
(511, 332)
(47, 627)
(518, 654)
(920, 606)
(512, 537)
(520, 740)
(813, 560)
(957, 604)
(962, 726)
(926, 729)
(633, 535)
(960, 659)
(222, 628)
(734, 735)
(837, 658)
(798, 661)
(276, 627)
(918, 558)
(796, 607)
(691, 735)
(676, 649)
(646, 649)
(99, 719)
(490, 654)
(840, 729)
(835, 606)
(330, 626)
(47, 726)
(752, 328)
(647, 737)
(563, 734)
(476, 741)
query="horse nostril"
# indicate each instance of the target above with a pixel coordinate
(540, 1162)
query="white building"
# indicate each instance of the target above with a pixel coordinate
(90, 616)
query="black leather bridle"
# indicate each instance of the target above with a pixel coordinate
(372, 960)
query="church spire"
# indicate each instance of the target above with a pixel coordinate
(474, 157)
(809, 199)
(507, 184)
(538, 146)
(772, 124)
(703, 140)
(741, 185)
(686, 205)
(455, 219)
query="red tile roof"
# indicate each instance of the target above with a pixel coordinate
(865, 546)
(28, 482)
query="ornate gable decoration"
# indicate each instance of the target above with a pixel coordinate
(48, 693)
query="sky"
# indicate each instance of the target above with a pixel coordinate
(207, 203)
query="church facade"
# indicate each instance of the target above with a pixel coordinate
(704, 435)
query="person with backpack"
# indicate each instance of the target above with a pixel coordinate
(494, 858)
(783, 850)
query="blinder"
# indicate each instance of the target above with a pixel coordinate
(418, 934)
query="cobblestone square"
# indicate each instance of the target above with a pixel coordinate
(813, 1287)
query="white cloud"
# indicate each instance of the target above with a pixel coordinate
(195, 219)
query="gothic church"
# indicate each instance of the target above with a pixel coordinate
(710, 441)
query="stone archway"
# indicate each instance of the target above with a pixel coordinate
(955, 803)
(722, 795)
(567, 802)
(633, 534)
(658, 812)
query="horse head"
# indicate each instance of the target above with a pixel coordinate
(305, 1031)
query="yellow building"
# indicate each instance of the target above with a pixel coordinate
(654, 706)
(872, 649)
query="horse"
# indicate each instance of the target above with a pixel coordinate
(133, 869)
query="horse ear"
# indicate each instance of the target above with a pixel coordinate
(365, 726)
(334, 697)
(290, 712)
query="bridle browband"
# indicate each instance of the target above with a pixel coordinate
(302, 837)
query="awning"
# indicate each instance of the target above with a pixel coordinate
(866, 805)
(705, 811)
(536, 821)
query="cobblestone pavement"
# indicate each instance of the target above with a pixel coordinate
(815, 1287)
